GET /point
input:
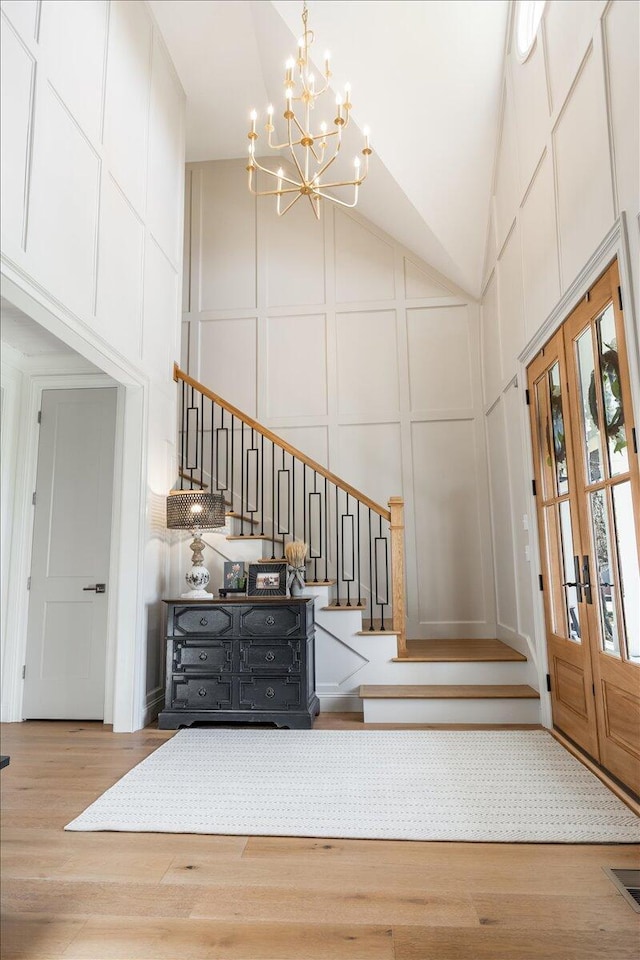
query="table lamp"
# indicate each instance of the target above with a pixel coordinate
(195, 510)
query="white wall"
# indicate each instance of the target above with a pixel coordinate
(92, 200)
(360, 355)
(567, 165)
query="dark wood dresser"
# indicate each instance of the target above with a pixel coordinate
(242, 660)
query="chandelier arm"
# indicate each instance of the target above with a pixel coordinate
(272, 173)
(341, 203)
(281, 213)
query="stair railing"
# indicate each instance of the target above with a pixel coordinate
(280, 494)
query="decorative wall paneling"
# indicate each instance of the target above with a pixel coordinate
(92, 198)
(342, 341)
(575, 158)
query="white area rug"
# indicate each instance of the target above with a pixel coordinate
(509, 786)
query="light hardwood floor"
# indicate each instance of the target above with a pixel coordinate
(92, 896)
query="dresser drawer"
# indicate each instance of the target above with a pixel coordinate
(201, 693)
(270, 693)
(264, 620)
(269, 656)
(214, 656)
(198, 621)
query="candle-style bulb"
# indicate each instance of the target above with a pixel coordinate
(270, 110)
(290, 64)
(253, 115)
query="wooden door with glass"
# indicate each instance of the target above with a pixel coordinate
(588, 505)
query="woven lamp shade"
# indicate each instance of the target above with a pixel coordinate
(187, 509)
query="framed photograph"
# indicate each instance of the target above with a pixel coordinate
(234, 576)
(267, 580)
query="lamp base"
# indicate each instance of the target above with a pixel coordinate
(197, 578)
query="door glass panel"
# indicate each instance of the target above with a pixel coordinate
(558, 432)
(612, 394)
(571, 573)
(602, 582)
(592, 447)
(629, 569)
(544, 433)
(558, 608)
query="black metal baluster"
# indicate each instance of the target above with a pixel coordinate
(242, 507)
(371, 588)
(293, 498)
(213, 421)
(359, 577)
(338, 604)
(202, 441)
(348, 580)
(273, 501)
(183, 413)
(233, 472)
(382, 602)
(262, 484)
(326, 533)
(304, 503)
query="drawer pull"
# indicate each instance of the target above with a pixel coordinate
(202, 692)
(270, 621)
(203, 655)
(203, 621)
(270, 692)
(270, 656)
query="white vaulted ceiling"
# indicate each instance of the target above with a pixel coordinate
(425, 76)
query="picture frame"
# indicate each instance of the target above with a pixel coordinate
(267, 580)
(234, 576)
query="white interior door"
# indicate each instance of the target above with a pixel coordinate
(67, 631)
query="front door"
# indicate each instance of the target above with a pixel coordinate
(589, 522)
(67, 630)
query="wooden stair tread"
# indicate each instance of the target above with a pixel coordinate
(243, 517)
(345, 606)
(319, 583)
(459, 651)
(448, 691)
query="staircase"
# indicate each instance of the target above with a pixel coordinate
(355, 572)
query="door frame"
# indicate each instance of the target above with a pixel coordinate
(615, 245)
(125, 692)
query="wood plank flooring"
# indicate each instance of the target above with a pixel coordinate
(93, 896)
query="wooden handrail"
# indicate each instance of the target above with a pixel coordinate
(179, 374)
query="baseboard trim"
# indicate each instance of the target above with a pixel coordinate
(339, 703)
(153, 705)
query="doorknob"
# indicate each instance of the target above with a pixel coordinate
(98, 588)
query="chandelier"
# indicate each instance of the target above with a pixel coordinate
(312, 146)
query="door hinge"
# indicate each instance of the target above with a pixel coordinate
(540, 584)
(548, 683)
(28, 583)
(593, 689)
(587, 296)
(527, 397)
(533, 487)
(39, 416)
(33, 499)
(24, 671)
(635, 439)
(620, 298)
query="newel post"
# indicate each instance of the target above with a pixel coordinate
(396, 526)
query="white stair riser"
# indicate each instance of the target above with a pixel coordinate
(451, 711)
(452, 672)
